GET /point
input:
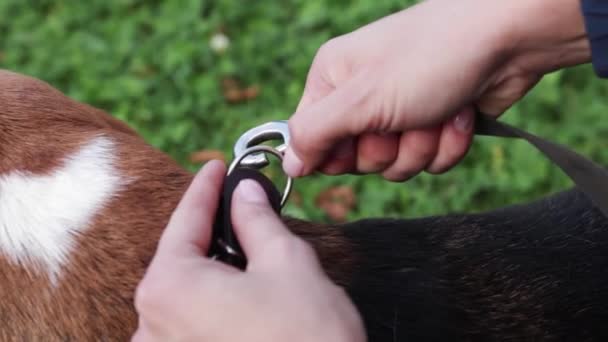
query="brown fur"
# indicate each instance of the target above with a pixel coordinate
(529, 272)
(94, 298)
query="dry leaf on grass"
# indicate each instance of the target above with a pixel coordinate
(337, 202)
(295, 198)
(206, 155)
(234, 92)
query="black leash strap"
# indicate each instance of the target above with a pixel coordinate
(224, 244)
(588, 176)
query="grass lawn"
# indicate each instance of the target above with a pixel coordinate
(152, 64)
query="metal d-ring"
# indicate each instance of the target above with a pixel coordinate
(267, 149)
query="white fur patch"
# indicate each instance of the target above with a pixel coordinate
(41, 215)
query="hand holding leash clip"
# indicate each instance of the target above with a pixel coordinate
(250, 158)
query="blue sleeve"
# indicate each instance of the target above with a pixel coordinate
(595, 13)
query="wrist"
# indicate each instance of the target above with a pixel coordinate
(547, 34)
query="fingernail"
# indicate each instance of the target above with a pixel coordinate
(464, 121)
(250, 191)
(292, 165)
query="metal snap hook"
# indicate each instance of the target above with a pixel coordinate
(260, 150)
(257, 135)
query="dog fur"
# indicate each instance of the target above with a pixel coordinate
(530, 272)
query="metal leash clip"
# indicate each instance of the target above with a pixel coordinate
(250, 157)
(249, 152)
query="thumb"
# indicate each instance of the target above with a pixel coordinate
(317, 128)
(189, 229)
(254, 220)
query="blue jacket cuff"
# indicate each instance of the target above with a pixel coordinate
(595, 13)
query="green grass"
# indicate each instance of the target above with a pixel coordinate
(150, 64)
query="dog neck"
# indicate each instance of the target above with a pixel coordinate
(83, 203)
(41, 214)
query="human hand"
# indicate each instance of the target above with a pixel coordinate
(283, 295)
(397, 96)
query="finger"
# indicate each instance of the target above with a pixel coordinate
(342, 159)
(454, 142)
(375, 152)
(253, 218)
(189, 229)
(416, 150)
(317, 128)
(258, 227)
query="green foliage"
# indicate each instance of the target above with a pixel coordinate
(150, 63)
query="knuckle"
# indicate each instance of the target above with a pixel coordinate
(149, 294)
(363, 99)
(288, 248)
(299, 135)
(145, 298)
(327, 49)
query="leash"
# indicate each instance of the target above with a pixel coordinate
(251, 157)
(589, 177)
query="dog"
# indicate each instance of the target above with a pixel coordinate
(84, 200)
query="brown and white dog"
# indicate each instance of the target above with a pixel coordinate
(83, 201)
